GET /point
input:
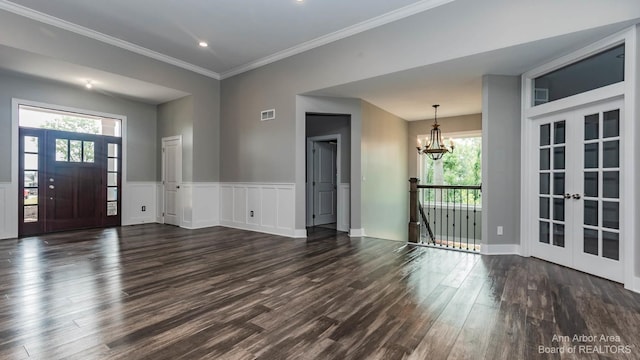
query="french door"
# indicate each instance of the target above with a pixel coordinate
(577, 189)
(68, 181)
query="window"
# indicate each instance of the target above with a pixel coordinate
(462, 167)
(41, 118)
(594, 72)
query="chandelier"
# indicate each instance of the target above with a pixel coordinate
(435, 147)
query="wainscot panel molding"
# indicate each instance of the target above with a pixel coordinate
(200, 204)
(135, 195)
(500, 249)
(8, 211)
(261, 207)
(344, 197)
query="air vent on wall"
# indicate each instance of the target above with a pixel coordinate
(268, 115)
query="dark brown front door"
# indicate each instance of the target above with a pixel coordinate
(68, 181)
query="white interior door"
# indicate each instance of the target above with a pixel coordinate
(171, 179)
(324, 182)
(578, 190)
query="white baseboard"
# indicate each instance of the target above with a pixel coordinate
(262, 207)
(634, 285)
(500, 249)
(300, 233)
(356, 233)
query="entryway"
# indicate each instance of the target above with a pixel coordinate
(322, 170)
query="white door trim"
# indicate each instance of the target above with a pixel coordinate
(309, 171)
(178, 177)
(629, 91)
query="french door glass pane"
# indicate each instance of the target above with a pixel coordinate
(544, 183)
(31, 213)
(545, 134)
(31, 161)
(558, 235)
(545, 159)
(591, 241)
(558, 158)
(112, 150)
(591, 212)
(31, 196)
(62, 150)
(112, 179)
(591, 156)
(558, 132)
(611, 184)
(112, 208)
(611, 154)
(611, 124)
(611, 245)
(112, 194)
(558, 184)
(544, 208)
(591, 184)
(610, 215)
(112, 165)
(30, 179)
(591, 127)
(75, 151)
(544, 232)
(89, 153)
(558, 209)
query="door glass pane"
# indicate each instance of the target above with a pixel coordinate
(30, 179)
(558, 132)
(558, 157)
(545, 134)
(31, 144)
(112, 208)
(544, 159)
(112, 150)
(591, 156)
(31, 196)
(611, 184)
(558, 209)
(112, 194)
(544, 208)
(611, 124)
(112, 165)
(31, 161)
(544, 232)
(31, 213)
(610, 154)
(591, 212)
(89, 153)
(610, 245)
(62, 150)
(610, 214)
(544, 183)
(591, 241)
(75, 151)
(558, 235)
(112, 179)
(591, 184)
(591, 127)
(558, 184)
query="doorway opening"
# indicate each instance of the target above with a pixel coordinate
(69, 171)
(327, 171)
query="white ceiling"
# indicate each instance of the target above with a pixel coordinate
(241, 34)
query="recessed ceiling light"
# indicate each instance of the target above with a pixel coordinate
(89, 84)
(203, 44)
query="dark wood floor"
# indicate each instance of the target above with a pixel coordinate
(161, 292)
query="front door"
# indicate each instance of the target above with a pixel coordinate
(578, 197)
(68, 181)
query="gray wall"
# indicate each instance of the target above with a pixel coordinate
(501, 158)
(176, 118)
(43, 39)
(385, 175)
(319, 125)
(452, 124)
(141, 119)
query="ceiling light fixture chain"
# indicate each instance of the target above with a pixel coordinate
(435, 147)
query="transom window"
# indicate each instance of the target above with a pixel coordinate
(42, 118)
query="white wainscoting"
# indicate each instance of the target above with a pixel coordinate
(8, 211)
(344, 208)
(500, 249)
(273, 207)
(200, 204)
(135, 195)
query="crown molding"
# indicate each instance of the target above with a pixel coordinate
(81, 30)
(383, 19)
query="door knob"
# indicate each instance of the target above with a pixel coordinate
(51, 187)
(567, 196)
(576, 196)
